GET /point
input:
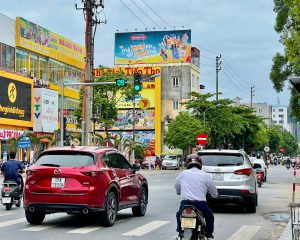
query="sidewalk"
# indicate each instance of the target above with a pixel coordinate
(287, 233)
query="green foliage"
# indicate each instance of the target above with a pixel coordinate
(182, 131)
(139, 152)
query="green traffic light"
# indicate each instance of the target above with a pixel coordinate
(121, 82)
(137, 87)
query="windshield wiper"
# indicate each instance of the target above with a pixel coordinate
(226, 164)
(50, 165)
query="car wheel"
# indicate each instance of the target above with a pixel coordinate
(19, 203)
(251, 208)
(140, 210)
(108, 217)
(35, 217)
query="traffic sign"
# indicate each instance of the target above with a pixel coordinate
(267, 149)
(281, 149)
(24, 144)
(202, 138)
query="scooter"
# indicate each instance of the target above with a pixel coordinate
(11, 194)
(193, 223)
(288, 166)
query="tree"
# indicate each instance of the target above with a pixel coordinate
(287, 25)
(182, 132)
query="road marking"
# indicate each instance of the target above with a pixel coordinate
(246, 232)
(5, 214)
(38, 228)
(12, 222)
(142, 230)
(86, 229)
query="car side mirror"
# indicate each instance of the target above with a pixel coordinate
(135, 167)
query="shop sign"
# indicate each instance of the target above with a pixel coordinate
(148, 70)
(15, 99)
(7, 134)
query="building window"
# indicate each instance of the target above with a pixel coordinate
(7, 57)
(273, 115)
(260, 110)
(43, 69)
(280, 115)
(175, 81)
(273, 109)
(175, 105)
(274, 121)
(280, 110)
(281, 122)
(22, 62)
(33, 65)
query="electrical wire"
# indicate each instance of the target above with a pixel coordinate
(204, 64)
(241, 89)
(146, 14)
(157, 14)
(134, 14)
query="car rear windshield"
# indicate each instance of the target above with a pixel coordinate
(170, 158)
(221, 160)
(65, 159)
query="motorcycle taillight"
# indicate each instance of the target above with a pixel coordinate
(7, 189)
(188, 213)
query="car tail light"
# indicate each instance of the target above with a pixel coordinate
(244, 191)
(89, 173)
(245, 171)
(6, 189)
(188, 213)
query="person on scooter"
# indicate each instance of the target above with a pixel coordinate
(261, 162)
(193, 184)
(11, 168)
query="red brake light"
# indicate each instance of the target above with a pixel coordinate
(89, 173)
(188, 211)
(245, 171)
(7, 189)
(244, 191)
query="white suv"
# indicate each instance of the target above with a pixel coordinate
(233, 175)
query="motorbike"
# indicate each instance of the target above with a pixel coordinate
(193, 223)
(11, 194)
(293, 164)
(259, 176)
(288, 166)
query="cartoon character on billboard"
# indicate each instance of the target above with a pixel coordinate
(163, 51)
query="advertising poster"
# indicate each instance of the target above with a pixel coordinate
(40, 40)
(45, 110)
(15, 100)
(153, 47)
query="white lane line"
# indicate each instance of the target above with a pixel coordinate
(5, 214)
(12, 222)
(246, 232)
(86, 229)
(149, 227)
(38, 228)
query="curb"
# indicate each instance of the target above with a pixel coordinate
(287, 232)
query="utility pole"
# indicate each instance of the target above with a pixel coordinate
(252, 95)
(90, 15)
(218, 69)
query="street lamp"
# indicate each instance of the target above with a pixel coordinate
(218, 105)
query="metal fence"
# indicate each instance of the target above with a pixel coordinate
(295, 220)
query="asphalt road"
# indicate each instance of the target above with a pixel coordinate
(159, 223)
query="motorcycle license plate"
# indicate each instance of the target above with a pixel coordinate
(188, 222)
(58, 182)
(6, 200)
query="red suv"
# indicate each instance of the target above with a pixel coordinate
(83, 180)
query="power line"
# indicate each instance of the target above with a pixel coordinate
(146, 14)
(234, 78)
(229, 78)
(157, 14)
(204, 64)
(134, 14)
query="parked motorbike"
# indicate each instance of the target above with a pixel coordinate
(11, 194)
(193, 223)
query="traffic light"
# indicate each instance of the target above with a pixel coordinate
(137, 82)
(121, 82)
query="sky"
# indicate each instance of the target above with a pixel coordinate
(242, 31)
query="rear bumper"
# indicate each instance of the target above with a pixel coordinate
(60, 207)
(227, 196)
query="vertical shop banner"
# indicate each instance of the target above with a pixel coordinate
(45, 110)
(15, 100)
(42, 41)
(153, 47)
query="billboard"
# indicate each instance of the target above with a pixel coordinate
(15, 100)
(153, 47)
(42, 41)
(45, 110)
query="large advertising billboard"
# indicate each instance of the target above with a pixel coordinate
(16, 100)
(153, 47)
(45, 110)
(42, 41)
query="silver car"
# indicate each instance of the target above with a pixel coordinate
(233, 175)
(170, 162)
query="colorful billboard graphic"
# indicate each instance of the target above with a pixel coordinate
(144, 119)
(42, 41)
(15, 100)
(153, 47)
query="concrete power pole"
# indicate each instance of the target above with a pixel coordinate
(252, 95)
(90, 16)
(218, 69)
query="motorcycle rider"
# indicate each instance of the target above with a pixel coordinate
(11, 168)
(193, 184)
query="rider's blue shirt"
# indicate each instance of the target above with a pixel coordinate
(11, 170)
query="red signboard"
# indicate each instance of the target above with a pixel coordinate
(281, 149)
(202, 138)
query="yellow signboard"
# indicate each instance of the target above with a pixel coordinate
(144, 103)
(42, 41)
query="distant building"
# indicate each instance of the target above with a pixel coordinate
(262, 110)
(281, 116)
